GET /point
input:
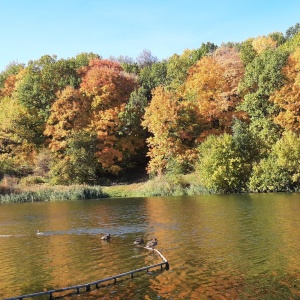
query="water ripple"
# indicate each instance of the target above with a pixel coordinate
(219, 247)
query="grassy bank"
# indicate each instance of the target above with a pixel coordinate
(14, 192)
(160, 186)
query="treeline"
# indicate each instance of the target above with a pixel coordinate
(229, 115)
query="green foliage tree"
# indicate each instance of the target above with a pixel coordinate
(246, 144)
(42, 79)
(268, 176)
(152, 76)
(131, 119)
(278, 37)
(291, 44)
(79, 164)
(220, 166)
(264, 74)
(262, 77)
(292, 31)
(82, 59)
(280, 171)
(247, 51)
(225, 162)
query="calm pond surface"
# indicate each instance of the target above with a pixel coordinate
(218, 247)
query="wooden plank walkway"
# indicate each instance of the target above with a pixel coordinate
(87, 286)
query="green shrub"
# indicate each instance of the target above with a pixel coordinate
(173, 185)
(268, 176)
(221, 168)
(280, 171)
(31, 179)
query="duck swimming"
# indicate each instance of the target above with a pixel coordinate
(152, 243)
(139, 241)
(106, 237)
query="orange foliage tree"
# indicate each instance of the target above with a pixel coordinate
(288, 96)
(9, 86)
(109, 89)
(95, 108)
(212, 86)
(69, 114)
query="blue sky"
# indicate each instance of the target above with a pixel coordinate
(32, 28)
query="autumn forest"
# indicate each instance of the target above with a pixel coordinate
(226, 116)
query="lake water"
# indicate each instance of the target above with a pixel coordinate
(218, 247)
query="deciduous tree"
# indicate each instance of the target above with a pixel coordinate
(17, 147)
(212, 85)
(293, 30)
(288, 96)
(262, 77)
(12, 69)
(42, 79)
(79, 164)
(247, 51)
(179, 65)
(145, 58)
(263, 43)
(70, 113)
(174, 125)
(219, 167)
(109, 89)
(279, 171)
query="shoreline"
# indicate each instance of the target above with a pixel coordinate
(160, 186)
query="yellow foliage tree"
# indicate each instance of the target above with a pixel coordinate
(262, 43)
(288, 97)
(174, 124)
(16, 147)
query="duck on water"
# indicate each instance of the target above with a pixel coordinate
(152, 243)
(106, 237)
(139, 241)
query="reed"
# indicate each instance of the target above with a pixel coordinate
(168, 185)
(39, 194)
